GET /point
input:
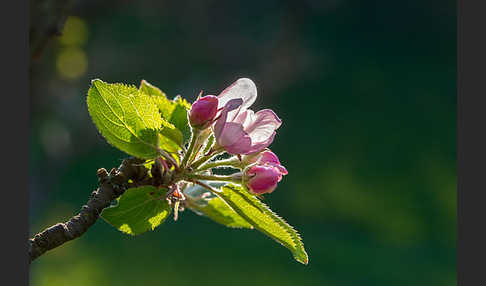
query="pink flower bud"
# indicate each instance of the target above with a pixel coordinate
(262, 179)
(203, 111)
(266, 171)
(264, 157)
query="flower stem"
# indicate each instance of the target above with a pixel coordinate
(195, 135)
(213, 178)
(201, 139)
(232, 162)
(212, 153)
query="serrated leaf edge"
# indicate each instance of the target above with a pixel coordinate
(295, 236)
(165, 123)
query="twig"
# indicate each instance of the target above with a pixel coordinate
(47, 19)
(112, 185)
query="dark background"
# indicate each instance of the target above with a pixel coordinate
(367, 94)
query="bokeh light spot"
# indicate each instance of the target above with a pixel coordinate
(71, 63)
(75, 32)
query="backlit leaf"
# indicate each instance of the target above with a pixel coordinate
(138, 210)
(205, 203)
(128, 119)
(173, 111)
(265, 220)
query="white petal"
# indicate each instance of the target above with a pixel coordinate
(245, 118)
(262, 125)
(243, 88)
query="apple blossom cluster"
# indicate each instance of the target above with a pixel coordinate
(180, 158)
(239, 131)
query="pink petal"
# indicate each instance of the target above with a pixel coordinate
(232, 135)
(261, 145)
(281, 169)
(245, 117)
(243, 88)
(241, 146)
(262, 125)
(220, 123)
(268, 157)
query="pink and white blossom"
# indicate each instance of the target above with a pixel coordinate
(238, 129)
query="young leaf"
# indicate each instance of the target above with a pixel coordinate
(165, 105)
(138, 210)
(170, 138)
(174, 111)
(179, 117)
(204, 203)
(168, 130)
(264, 219)
(128, 119)
(150, 89)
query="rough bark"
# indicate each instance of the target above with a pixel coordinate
(112, 185)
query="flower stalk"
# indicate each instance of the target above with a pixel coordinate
(192, 144)
(218, 178)
(233, 162)
(211, 155)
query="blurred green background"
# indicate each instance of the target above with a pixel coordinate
(367, 94)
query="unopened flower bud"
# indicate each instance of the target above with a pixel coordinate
(264, 157)
(203, 111)
(263, 175)
(261, 179)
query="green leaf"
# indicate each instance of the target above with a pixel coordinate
(150, 89)
(128, 119)
(170, 137)
(174, 111)
(138, 210)
(179, 117)
(166, 107)
(205, 203)
(264, 219)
